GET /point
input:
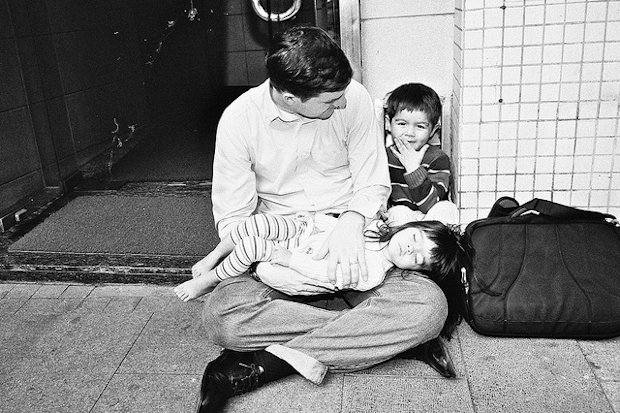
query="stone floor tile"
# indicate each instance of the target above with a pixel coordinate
(153, 304)
(49, 305)
(171, 326)
(93, 343)
(94, 304)
(291, 394)
(179, 358)
(612, 390)
(149, 393)
(417, 368)
(122, 304)
(11, 305)
(132, 290)
(378, 394)
(77, 291)
(50, 291)
(604, 357)
(19, 336)
(527, 375)
(22, 290)
(22, 391)
(5, 288)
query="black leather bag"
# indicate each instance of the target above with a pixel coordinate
(542, 269)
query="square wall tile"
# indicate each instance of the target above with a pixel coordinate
(573, 33)
(18, 142)
(534, 15)
(593, 52)
(575, 12)
(595, 32)
(596, 11)
(13, 94)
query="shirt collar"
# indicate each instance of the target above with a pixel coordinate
(272, 111)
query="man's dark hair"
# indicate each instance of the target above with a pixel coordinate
(414, 96)
(306, 62)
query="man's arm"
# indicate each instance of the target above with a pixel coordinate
(367, 157)
(371, 187)
(233, 195)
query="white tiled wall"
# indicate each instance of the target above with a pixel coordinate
(536, 103)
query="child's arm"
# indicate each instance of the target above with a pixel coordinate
(429, 183)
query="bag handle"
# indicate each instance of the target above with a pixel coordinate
(551, 209)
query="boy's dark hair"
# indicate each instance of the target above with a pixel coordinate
(414, 96)
(306, 62)
(450, 254)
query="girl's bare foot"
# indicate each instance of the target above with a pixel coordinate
(203, 266)
(194, 288)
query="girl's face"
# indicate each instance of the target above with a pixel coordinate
(410, 249)
(412, 126)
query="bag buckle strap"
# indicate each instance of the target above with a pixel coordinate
(613, 221)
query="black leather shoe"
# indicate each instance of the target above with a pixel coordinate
(231, 374)
(434, 353)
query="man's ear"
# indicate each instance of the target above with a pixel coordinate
(289, 98)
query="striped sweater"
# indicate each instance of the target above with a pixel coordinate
(424, 187)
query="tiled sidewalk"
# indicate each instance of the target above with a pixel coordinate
(136, 348)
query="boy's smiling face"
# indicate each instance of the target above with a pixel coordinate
(412, 126)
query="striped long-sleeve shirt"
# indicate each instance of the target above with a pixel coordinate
(424, 187)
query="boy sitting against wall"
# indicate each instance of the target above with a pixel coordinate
(419, 172)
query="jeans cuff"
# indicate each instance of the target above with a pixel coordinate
(305, 365)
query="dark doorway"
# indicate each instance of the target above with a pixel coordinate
(200, 55)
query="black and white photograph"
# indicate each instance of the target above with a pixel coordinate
(309, 206)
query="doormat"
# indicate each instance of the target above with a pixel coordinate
(122, 230)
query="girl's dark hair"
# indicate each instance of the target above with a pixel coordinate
(414, 96)
(306, 62)
(450, 254)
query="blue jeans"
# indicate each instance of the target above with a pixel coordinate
(246, 315)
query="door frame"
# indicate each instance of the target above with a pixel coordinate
(350, 36)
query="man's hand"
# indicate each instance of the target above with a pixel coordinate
(345, 247)
(290, 281)
(407, 154)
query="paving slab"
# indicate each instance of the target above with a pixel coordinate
(50, 291)
(417, 368)
(22, 290)
(612, 390)
(383, 394)
(172, 358)
(292, 394)
(530, 375)
(67, 347)
(604, 357)
(11, 305)
(148, 393)
(32, 391)
(18, 337)
(49, 305)
(77, 291)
